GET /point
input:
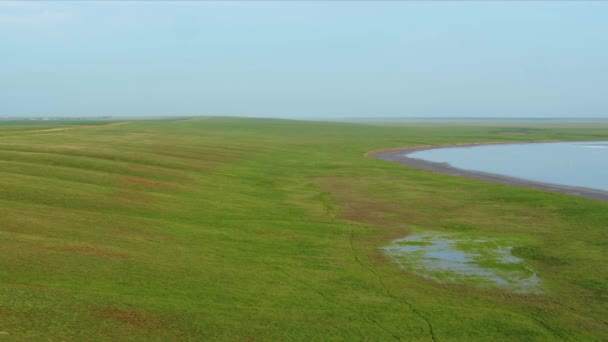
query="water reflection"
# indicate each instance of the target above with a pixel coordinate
(581, 164)
(458, 258)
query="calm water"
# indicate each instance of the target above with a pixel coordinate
(463, 259)
(567, 163)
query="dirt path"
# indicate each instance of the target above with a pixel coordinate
(71, 128)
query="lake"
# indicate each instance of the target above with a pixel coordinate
(579, 164)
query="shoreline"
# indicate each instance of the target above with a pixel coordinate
(400, 155)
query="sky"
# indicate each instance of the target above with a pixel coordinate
(300, 59)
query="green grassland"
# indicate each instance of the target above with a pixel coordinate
(254, 229)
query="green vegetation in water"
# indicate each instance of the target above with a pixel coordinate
(462, 258)
(248, 229)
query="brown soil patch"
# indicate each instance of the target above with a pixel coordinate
(93, 251)
(357, 204)
(41, 289)
(150, 183)
(161, 171)
(134, 321)
(131, 317)
(133, 197)
(280, 235)
(71, 128)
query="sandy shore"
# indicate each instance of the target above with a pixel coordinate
(400, 155)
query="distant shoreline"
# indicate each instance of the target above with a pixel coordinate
(400, 155)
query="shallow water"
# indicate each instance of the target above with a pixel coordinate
(583, 164)
(461, 259)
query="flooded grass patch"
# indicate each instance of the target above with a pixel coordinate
(459, 258)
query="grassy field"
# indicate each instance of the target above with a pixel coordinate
(250, 229)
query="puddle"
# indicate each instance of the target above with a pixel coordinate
(459, 258)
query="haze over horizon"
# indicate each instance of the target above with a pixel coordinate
(304, 59)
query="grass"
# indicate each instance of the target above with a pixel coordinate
(250, 229)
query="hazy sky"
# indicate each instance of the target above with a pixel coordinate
(304, 59)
